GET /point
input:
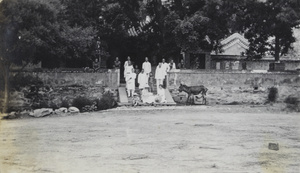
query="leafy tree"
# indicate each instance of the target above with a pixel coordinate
(34, 30)
(274, 19)
(111, 19)
(205, 24)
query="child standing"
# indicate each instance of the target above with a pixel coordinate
(151, 82)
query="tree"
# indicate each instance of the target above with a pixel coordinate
(34, 30)
(205, 24)
(268, 26)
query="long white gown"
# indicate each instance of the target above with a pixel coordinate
(143, 80)
(130, 81)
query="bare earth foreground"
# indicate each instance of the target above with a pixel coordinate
(169, 139)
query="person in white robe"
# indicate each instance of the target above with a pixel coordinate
(128, 69)
(165, 66)
(159, 75)
(126, 62)
(161, 94)
(127, 66)
(130, 83)
(143, 81)
(147, 66)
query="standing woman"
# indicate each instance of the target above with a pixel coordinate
(130, 83)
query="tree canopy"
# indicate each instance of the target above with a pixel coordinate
(65, 32)
(268, 25)
(38, 31)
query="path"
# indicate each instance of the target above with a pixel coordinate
(201, 139)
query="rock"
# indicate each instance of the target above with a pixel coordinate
(24, 113)
(73, 110)
(11, 115)
(41, 112)
(61, 110)
(273, 146)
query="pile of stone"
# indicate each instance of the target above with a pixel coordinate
(43, 112)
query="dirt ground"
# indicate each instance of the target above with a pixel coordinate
(154, 139)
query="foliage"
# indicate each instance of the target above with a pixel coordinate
(65, 104)
(293, 102)
(106, 102)
(38, 32)
(80, 102)
(19, 81)
(268, 26)
(273, 94)
(196, 26)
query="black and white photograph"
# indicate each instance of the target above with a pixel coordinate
(149, 86)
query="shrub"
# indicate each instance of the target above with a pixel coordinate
(273, 94)
(80, 102)
(65, 104)
(19, 81)
(106, 102)
(293, 102)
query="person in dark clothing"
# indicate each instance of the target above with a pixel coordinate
(117, 63)
(181, 65)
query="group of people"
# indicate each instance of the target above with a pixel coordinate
(145, 79)
(132, 75)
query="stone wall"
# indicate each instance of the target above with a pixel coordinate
(107, 79)
(232, 64)
(264, 65)
(60, 88)
(236, 86)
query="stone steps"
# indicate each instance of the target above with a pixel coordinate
(125, 101)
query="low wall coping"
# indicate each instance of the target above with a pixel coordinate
(199, 71)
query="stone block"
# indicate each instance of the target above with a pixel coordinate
(273, 146)
(41, 112)
(73, 110)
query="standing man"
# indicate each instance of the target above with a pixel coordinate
(130, 82)
(96, 65)
(127, 66)
(159, 75)
(181, 65)
(127, 71)
(165, 65)
(147, 66)
(126, 62)
(142, 81)
(117, 63)
(172, 65)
